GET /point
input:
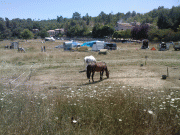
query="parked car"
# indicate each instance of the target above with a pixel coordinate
(110, 46)
(176, 46)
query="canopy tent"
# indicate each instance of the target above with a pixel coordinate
(89, 44)
(70, 45)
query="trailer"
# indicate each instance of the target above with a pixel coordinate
(98, 45)
(145, 44)
(110, 46)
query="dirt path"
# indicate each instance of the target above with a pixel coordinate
(134, 76)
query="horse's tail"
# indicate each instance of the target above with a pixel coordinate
(88, 71)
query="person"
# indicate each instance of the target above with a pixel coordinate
(44, 48)
(41, 48)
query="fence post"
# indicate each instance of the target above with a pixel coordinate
(10, 85)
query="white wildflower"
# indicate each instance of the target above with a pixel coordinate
(120, 119)
(74, 121)
(150, 112)
(56, 118)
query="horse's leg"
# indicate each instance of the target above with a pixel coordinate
(89, 76)
(100, 75)
(93, 75)
(107, 73)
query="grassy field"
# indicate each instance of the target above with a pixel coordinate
(44, 93)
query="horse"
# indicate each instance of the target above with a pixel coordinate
(88, 60)
(97, 67)
(20, 49)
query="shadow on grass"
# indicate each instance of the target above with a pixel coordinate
(89, 83)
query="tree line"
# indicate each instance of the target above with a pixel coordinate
(160, 24)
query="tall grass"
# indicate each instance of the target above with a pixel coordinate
(111, 109)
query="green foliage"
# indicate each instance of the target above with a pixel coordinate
(43, 34)
(76, 16)
(77, 26)
(100, 31)
(163, 35)
(26, 34)
(122, 34)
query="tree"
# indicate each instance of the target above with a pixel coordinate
(133, 13)
(60, 19)
(76, 16)
(163, 22)
(43, 33)
(26, 34)
(140, 32)
(17, 32)
(7, 23)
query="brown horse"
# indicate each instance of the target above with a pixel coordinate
(97, 67)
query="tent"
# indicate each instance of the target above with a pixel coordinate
(14, 45)
(89, 44)
(69, 45)
(98, 46)
(153, 49)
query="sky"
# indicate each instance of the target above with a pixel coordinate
(50, 9)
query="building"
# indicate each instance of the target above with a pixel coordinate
(57, 31)
(35, 30)
(53, 33)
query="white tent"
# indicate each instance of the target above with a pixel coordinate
(98, 45)
(67, 45)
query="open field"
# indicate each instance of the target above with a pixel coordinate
(44, 93)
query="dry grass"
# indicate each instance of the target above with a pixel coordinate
(59, 100)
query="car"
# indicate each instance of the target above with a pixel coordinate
(110, 46)
(176, 46)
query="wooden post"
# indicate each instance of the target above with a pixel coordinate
(167, 72)
(10, 85)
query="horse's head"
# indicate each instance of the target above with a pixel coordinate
(107, 73)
